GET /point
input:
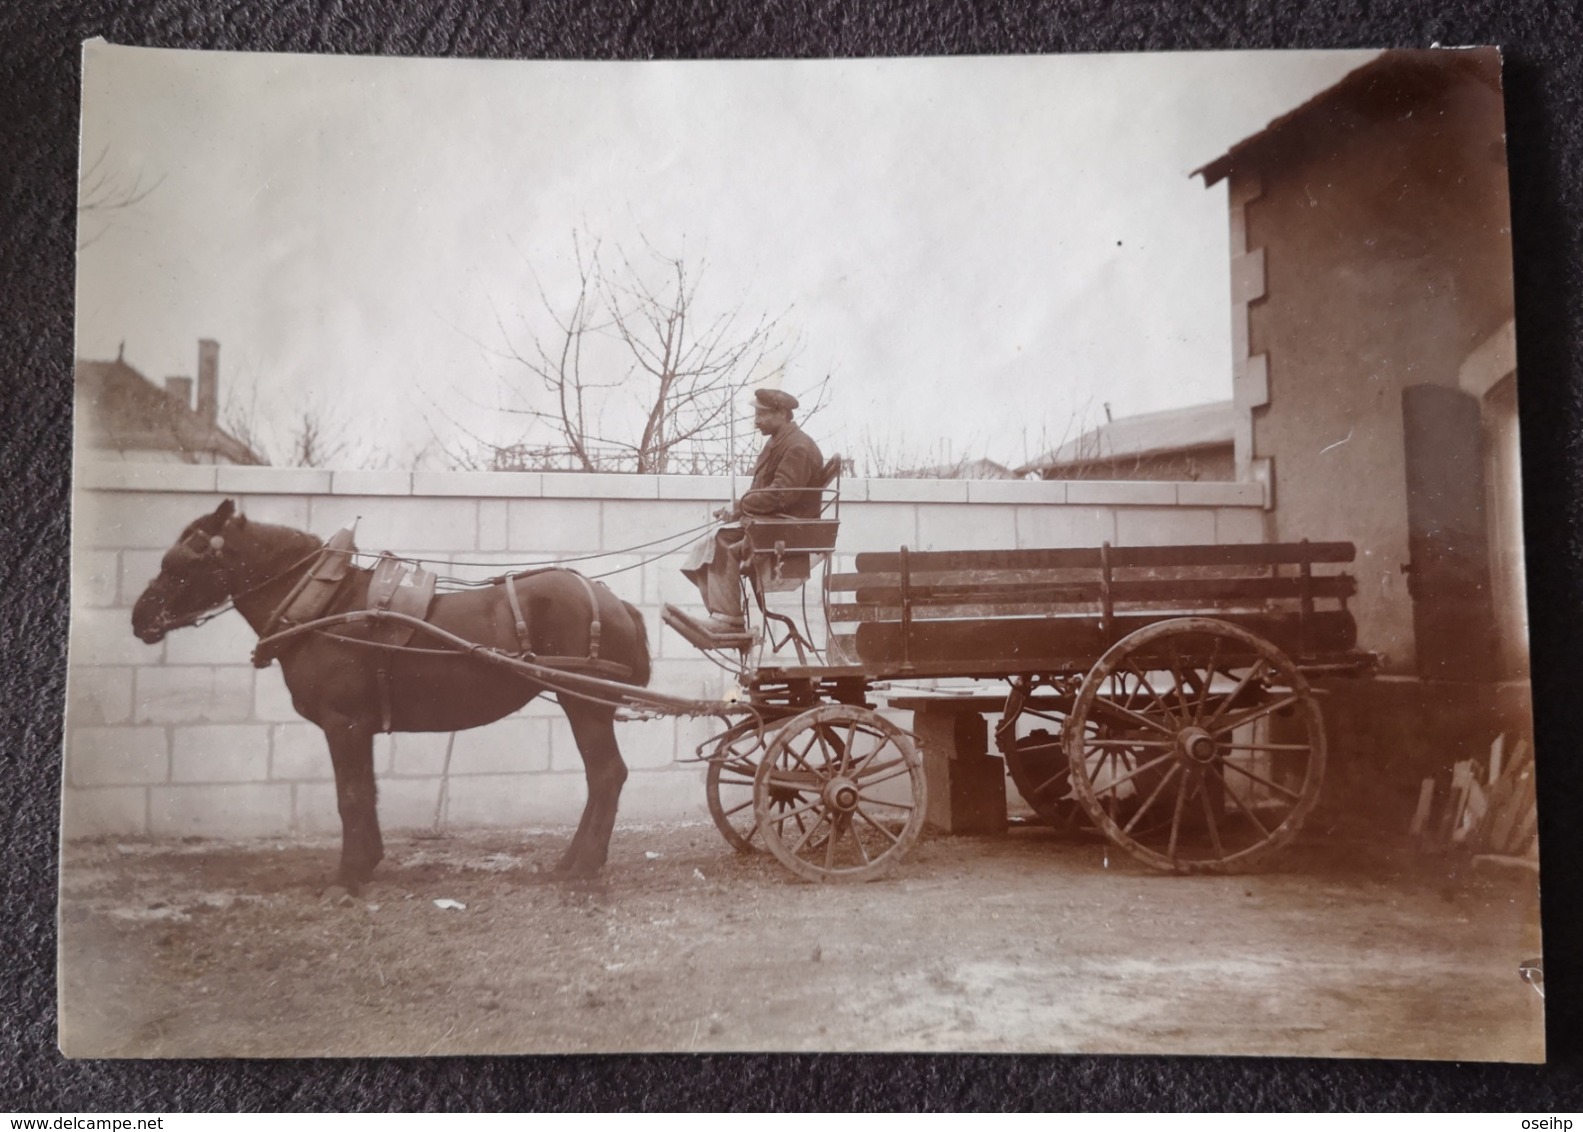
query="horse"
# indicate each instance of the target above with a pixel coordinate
(353, 688)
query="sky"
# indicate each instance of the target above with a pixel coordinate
(980, 253)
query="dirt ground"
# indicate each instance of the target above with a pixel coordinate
(1013, 943)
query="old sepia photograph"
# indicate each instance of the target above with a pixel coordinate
(1013, 554)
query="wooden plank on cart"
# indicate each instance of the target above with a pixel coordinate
(1213, 554)
(1032, 644)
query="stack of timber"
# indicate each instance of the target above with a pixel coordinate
(1489, 810)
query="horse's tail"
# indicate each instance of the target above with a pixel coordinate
(641, 666)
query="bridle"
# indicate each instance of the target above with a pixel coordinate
(201, 546)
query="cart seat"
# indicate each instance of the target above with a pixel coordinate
(784, 550)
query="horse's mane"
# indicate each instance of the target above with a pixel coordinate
(282, 545)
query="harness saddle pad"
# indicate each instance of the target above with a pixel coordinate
(401, 587)
(321, 583)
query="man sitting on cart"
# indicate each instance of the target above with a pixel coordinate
(785, 483)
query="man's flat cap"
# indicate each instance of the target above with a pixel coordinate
(775, 399)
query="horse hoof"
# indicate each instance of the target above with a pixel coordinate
(338, 896)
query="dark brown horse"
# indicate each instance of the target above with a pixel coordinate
(336, 681)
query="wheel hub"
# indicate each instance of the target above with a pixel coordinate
(841, 795)
(1195, 745)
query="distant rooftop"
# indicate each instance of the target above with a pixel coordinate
(120, 409)
(1143, 436)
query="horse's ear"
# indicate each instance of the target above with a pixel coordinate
(225, 510)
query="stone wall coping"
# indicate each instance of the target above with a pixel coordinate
(210, 479)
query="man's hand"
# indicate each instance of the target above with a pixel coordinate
(726, 513)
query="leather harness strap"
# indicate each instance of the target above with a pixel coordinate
(523, 641)
(594, 627)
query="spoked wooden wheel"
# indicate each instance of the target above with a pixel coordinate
(1030, 737)
(1196, 746)
(840, 794)
(728, 785)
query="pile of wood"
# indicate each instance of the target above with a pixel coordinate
(1488, 809)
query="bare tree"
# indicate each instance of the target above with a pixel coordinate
(308, 436)
(102, 193)
(632, 372)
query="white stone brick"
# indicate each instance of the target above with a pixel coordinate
(138, 569)
(1120, 493)
(967, 526)
(517, 800)
(479, 485)
(271, 697)
(600, 485)
(418, 753)
(917, 491)
(104, 811)
(549, 525)
(709, 489)
(253, 809)
(564, 752)
(239, 479)
(97, 696)
(104, 636)
(298, 753)
(359, 482)
(228, 639)
(121, 475)
(237, 752)
(95, 576)
(627, 524)
(133, 521)
(117, 756)
(691, 732)
(492, 530)
(1016, 491)
(663, 584)
(409, 803)
(1235, 524)
(878, 526)
(673, 794)
(314, 810)
(193, 694)
(1220, 494)
(1163, 526)
(648, 743)
(1064, 526)
(282, 511)
(511, 746)
(403, 526)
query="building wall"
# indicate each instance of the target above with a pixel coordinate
(1366, 258)
(188, 738)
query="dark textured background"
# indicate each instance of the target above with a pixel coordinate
(38, 82)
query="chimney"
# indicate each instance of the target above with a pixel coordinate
(181, 389)
(208, 379)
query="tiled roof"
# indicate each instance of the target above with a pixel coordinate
(121, 409)
(1145, 435)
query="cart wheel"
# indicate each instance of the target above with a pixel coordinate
(840, 794)
(728, 785)
(1221, 745)
(1029, 735)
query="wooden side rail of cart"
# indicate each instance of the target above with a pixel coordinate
(1045, 610)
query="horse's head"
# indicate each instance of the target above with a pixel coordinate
(192, 577)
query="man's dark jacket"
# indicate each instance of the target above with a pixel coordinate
(791, 460)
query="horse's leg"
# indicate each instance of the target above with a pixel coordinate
(352, 752)
(593, 727)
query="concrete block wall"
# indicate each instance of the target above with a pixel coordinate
(186, 738)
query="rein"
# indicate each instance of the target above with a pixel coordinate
(190, 620)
